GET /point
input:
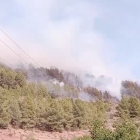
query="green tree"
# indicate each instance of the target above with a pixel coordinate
(127, 131)
(129, 106)
(134, 107)
(99, 132)
(4, 110)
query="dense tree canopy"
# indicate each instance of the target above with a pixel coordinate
(11, 79)
(28, 105)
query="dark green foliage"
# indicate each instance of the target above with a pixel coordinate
(11, 79)
(4, 109)
(129, 107)
(67, 114)
(134, 107)
(99, 132)
(125, 131)
(30, 105)
(15, 112)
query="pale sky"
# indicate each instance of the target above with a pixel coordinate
(99, 36)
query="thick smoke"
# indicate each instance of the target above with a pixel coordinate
(85, 96)
(69, 84)
(67, 39)
(103, 83)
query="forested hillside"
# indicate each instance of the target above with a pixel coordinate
(54, 100)
(63, 83)
(29, 105)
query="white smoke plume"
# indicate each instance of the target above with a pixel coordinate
(103, 83)
(62, 34)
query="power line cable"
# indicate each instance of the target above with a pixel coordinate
(6, 62)
(16, 53)
(13, 51)
(18, 56)
(20, 47)
(13, 66)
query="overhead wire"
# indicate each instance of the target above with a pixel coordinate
(13, 51)
(16, 54)
(38, 80)
(13, 66)
(6, 62)
(20, 47)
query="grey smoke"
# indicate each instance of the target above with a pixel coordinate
(56, 87)
(85, 96)
(102, 83)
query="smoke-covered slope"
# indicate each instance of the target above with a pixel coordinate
(87, 87)
(62, 83)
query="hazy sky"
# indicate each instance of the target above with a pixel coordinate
(99, 36)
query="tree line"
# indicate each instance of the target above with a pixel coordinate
(30, 105)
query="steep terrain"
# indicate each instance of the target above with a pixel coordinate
(62, 83)
(35, 134)
(52, 104)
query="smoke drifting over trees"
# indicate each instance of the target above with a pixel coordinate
(83, 86)
(61, 83)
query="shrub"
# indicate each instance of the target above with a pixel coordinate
(125, 131)
(129, 107)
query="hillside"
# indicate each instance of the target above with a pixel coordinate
(54, 101)
(62, 83)
(29, 104)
